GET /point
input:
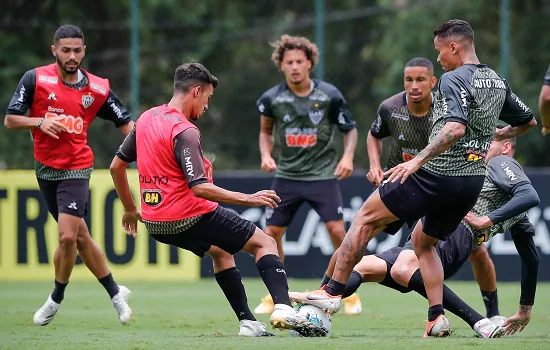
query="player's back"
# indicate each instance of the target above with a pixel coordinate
(472, 94)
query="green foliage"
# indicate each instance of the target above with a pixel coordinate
(367, 43)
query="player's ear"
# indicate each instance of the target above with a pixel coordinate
(454, 48)
(197, 91)
(53, 50)
(84, 49)
(309, 65)
(506, 147)
(434, 81)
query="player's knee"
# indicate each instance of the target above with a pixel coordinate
(67, 238)
(268, 242)
(275, 232)
(219, 255)
(401, 274)
(479, 255)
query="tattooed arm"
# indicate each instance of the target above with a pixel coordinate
(447, 136)
(513, 131)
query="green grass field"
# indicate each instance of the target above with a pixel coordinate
(196, 315)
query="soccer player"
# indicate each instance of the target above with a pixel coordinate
(442, 182)
(304, 114)
(502, 204)
(544, 104)
(406, 118)
(63, 100)
(179, 202)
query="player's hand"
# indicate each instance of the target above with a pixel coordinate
(545, 131)
(264, 198)
(53, 126)
(478, 222)
(344, 168)
(403, 170)
(375, 176)
(268, 164)
(519, 321)
(129, 222)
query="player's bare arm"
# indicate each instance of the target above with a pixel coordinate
(50, 126)
(266, 143)
(126, 128)
(544, 104)
(513, 131)
(374, 150)
(131, 214)
(447, 136)
(345, 166)
(214, 193)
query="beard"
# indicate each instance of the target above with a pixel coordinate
(65, 68)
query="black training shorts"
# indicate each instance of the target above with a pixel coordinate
(66, 196)
(442, 201)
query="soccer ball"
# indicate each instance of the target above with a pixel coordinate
(314, 315)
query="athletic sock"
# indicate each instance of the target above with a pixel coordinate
(109, 284)
(231, 283)
(491, 303)
(434, 312)
(58, 291)
(273, 274)
(324, 280)
(451, 301)
(353, 283)
(334, 288)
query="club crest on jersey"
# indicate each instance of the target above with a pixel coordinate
(316, 115)
(151, 197)
(87, 100)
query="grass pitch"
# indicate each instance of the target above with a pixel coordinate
(196, 315)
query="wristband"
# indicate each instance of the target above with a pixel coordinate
(40, 123)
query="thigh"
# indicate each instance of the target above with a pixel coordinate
(325, 198)
(455, 250)
(183, 240)
(72, 197)
(49, 192)
(291, 194)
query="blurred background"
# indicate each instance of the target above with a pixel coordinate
(137, 44)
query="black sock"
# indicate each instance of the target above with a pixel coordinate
(109, 284)
(58, 291)
(353, 283)
(273, 274)
(435, 311)
(451, 301)
(232, 286)
(491, 303)
(325, 280)
(335, 288)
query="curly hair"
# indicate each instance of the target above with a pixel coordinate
(288, 42)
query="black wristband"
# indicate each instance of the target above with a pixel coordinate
(40, 123)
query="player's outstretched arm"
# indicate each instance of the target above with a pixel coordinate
(522, 234)
(211, 192)
(447, 136)
(266, 144)
(374, 150)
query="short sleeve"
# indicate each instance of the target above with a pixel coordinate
(22, 99)
(114, 110)
(339, 112)
(506, 173)
(127, 150)
(188, 153)
(380, 127)
(456, 98)
(514, 111)
(264, 105)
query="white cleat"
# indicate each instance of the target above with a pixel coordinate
(353, 305)
(487, 329)
(285, 317)
(250, 328)
(498, 320)
(326, 302)
(45, 314)
(120, 303)
(440, 327)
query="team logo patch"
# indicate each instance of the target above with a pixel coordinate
(87, 100)
(151, 197)
(316, 114)
(52, 97)
(473, 157)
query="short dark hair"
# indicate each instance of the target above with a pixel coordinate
(420, 62)
(68, 31)
(455, 28)
(192, 74)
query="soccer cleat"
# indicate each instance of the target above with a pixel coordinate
(265, 307)
(285, 317)
(45, 314)
(120, 303)
(440, 327)
(328, 303)
(487, 329)
(352, 305)
(498, 320)
(250, 328)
